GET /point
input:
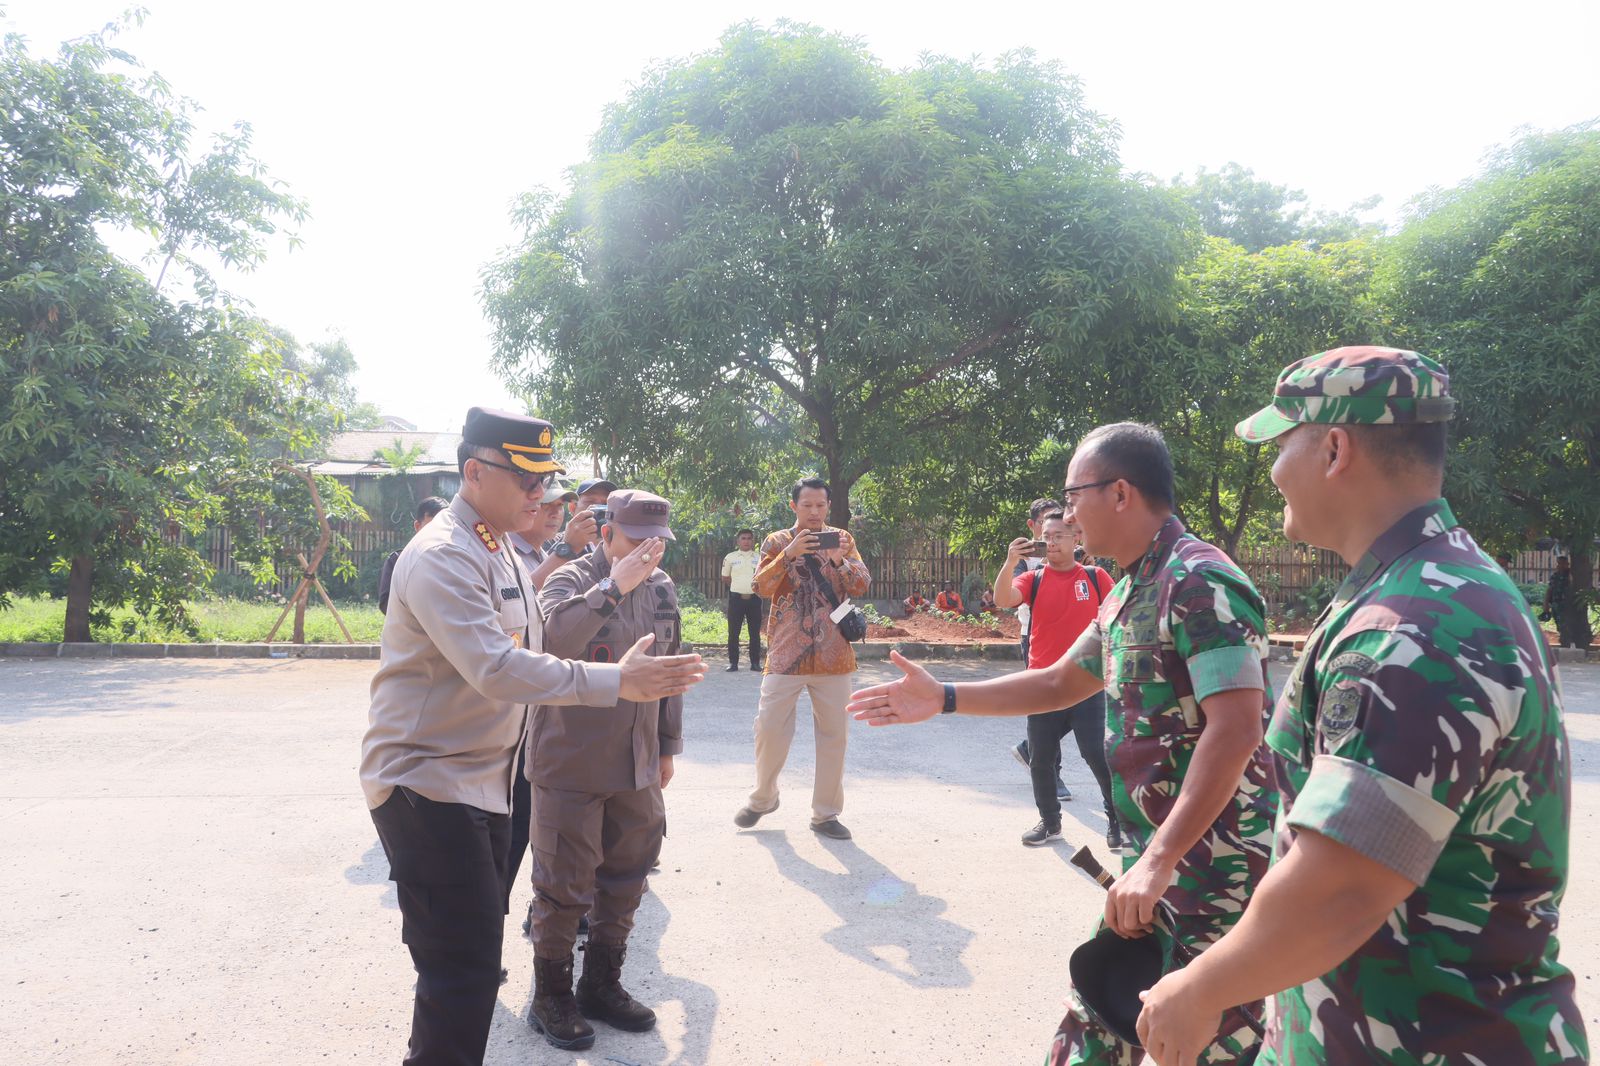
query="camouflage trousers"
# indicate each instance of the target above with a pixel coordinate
(1082, 1041)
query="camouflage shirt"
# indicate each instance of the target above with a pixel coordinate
(1183, 625)
(1422, 727)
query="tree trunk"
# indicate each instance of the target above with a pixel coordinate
(300, 616)
(1575, 621)
(80, 589)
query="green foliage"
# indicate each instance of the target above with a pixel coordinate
(702, 625)
(31, 618)
(1244, 316)
(127, 415)
(1500, 279)
(783, 248)
(1232, 203)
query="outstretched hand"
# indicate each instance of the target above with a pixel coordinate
(647, 677)
(916, 697)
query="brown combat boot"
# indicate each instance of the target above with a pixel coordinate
(600, 992)
(553, 1011)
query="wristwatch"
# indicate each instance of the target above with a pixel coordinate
(608, 589)
(563, 550)
(949, 699)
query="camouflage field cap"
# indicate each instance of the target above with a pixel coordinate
(1354, 386)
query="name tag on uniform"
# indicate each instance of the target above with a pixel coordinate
(512, 593)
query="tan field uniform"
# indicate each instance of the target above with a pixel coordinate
(596, 771)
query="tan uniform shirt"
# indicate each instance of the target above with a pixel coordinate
(741, 568)
(462, 655)
(604, 748)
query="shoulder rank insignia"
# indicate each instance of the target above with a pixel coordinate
(482, 529)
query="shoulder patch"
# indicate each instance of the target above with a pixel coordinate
(1352, 662)
(482, 530)
(1338, 712)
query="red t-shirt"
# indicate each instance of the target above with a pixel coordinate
(1067, 602)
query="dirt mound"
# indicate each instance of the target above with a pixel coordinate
(924, 628)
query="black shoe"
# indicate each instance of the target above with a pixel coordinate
(749, 816)
(1019, 752)
(1114, 837)
(1041, 834)
(733, 668)
(1063, 793)
(833, 829)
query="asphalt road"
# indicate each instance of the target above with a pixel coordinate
(193, 878)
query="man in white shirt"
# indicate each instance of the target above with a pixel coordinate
(744, 606)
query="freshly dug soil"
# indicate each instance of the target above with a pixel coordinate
(925, 628)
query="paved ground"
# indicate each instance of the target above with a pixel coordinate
(193, 878)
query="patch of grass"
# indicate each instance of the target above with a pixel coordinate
(229, 621)
(703, 625)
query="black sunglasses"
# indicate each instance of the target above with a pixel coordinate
(525, 479)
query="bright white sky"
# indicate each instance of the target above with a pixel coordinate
(411, 128)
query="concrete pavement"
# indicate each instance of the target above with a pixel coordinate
(193, 878)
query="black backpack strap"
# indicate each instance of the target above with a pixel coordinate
(1033, 592)
(1094, 579)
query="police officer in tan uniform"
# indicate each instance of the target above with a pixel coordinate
(598, 774)
(462, 657)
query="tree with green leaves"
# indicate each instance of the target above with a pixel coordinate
(114, 397)
(784, 237)
(280, 515)
(1245, 315)
(1234, 204)
(1499, 278)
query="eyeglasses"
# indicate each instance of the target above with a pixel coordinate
(526, 480)
(1071, 491)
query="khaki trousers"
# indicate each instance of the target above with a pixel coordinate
(775, 731)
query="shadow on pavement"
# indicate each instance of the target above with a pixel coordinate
(512, 1042)
(887, 923)
(373, 869)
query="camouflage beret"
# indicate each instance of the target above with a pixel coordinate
(1363, 385)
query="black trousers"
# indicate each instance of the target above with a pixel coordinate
(1087, 722)
(743, 610)
(448, 863)
(521, 817)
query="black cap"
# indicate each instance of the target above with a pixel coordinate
(1109, 972)
(528, 442)
(593, 483)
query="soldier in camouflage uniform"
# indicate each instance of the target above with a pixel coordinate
(1180, 646)
(1411, 911)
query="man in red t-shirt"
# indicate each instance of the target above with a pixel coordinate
(1063, 597)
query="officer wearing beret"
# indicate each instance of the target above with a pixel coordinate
(597, 776)
(1421, 854)
(462, 656)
